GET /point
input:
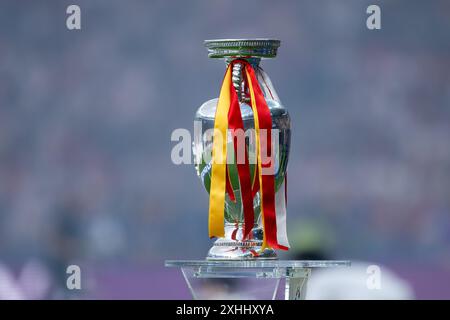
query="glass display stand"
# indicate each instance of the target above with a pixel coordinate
(250, 279)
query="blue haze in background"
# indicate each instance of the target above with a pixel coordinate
(86, 117)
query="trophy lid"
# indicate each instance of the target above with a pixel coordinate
(260, 48)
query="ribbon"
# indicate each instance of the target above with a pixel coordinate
(263, 120)
(236, 125)
(219, 155)
(228, 117)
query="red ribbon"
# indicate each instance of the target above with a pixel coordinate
(268, 179)
(235, 123)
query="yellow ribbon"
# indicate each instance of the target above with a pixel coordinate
(219, 157)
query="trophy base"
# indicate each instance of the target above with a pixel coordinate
(228, 248)
(223, 249)
(250, 280)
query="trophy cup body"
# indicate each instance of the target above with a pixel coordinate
(233, 246)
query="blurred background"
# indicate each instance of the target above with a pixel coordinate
(86, 117)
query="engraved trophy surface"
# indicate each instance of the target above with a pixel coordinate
(233, 246)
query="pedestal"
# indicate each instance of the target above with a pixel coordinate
(250, 279)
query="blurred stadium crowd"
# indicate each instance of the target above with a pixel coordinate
(86, 118)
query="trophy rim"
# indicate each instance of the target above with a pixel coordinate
(250, 47)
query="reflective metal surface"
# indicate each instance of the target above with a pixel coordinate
(263, 48)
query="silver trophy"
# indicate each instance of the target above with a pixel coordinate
(232, 246)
